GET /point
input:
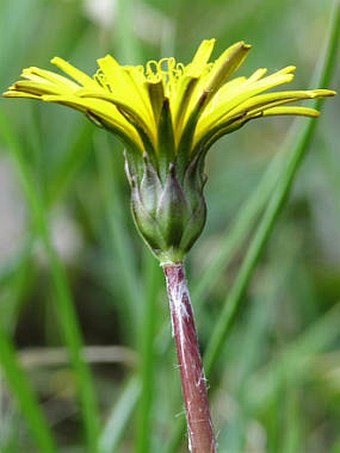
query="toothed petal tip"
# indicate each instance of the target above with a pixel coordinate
(56, 60)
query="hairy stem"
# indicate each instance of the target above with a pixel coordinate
(200, 429)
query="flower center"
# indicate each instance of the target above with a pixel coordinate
(165, 69)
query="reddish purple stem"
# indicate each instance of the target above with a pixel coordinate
(200, 429)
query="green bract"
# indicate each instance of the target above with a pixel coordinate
(169, 214)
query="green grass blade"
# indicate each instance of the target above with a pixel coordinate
(120, 246)
(137, 389)
(238, 231)
(21, 389)
(297, 358)
(128, 49)
(274, 208)
(75, 156)
(147, 330)
(65, 309)
(119, 417)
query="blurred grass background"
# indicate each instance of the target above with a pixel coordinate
(67, 240)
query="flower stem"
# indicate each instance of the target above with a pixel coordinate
(200, 429)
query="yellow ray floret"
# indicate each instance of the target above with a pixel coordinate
(195, 102)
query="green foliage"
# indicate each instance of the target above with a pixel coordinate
(265, 275)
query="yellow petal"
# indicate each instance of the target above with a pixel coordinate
(34, 73)
(102, 109)
(39, 88)
(76, 74)
(292, 110)
(136, 75)
(201, 58)
(120, 102)
(209, 84)
(156, 97)
(19, 94)
(257, 75)
(268, 100)
(226, 64)
(228, 100)
(121, 84)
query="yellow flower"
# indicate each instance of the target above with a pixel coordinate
(168, 115)
(200, 100)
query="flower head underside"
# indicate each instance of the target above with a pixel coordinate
(168, 115)
(191, 105)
